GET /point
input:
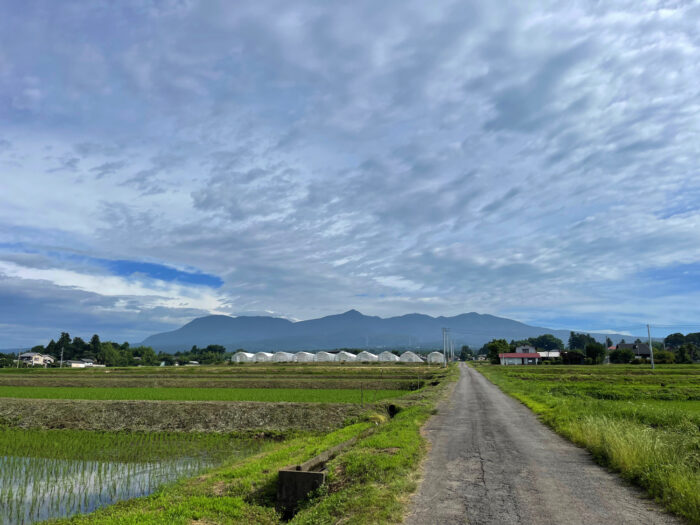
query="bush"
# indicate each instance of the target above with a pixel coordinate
(588, 361)
(664, 357)
(622, 356)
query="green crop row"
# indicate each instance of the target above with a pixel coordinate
(297, 395)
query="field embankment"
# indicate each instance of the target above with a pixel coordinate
(643, 423)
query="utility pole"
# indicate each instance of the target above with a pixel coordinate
(651, 348)
(61, 358)
(444, 345)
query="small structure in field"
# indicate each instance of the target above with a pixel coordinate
(388, 357)
(325, 357)
(514, 358)
(243, 357)
(283, 357)
(304, 357)
(436, 358)
(410, 357)
(549, 354)
(345, 356)
(263, 357)
(367, 357)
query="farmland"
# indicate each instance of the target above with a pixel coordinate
(643, 423)
(73, 441)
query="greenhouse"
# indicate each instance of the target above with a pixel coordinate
(243, 357)
(366, 357)
(263, 357)
(345, 356)
(283, 357)
(436, 357)
(410, 357)
(388, 357)
(304, 357)
(324, 357)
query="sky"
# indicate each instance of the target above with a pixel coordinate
(164, 160)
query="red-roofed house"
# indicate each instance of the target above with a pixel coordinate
(518, 358)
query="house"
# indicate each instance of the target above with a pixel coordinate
(88, 362)
(36, 359)
(641, 350)
(74, 364)
(436, 358)
(525, 349)
(519, 358)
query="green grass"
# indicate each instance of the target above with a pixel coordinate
(297, 395)
(370, 482)
(643, 423)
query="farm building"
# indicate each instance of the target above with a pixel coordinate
(549, 354)
(345, 356)
(366, 357)
(436, 357)
(74, 364)
(641, 350)
(410, 357)
(515, 358)
(325, 357)
(283, 357)
(388, 357)
(525, 349)
(304, 357)
(263, 357)
(243, 357)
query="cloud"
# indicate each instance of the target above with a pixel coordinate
(530, 160)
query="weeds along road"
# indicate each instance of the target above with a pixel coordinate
(493, 462)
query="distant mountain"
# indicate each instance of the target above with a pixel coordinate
(349, 330)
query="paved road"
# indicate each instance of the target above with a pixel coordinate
(493, 462)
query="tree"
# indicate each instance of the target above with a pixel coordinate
(495, 347)
(466, 353)
(95, 345)
(595, 352)
(621, 356)
(608, 342)
(547, 342)
(109, 355)
(674, 340)
(664, 357)
(579, 341)
(684, 354)
(573, 357)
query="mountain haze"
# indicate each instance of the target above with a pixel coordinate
(348, 330)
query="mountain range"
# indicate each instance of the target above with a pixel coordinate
(348, 330)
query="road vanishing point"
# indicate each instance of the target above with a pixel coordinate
(493, 462)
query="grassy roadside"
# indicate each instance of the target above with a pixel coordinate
(654, 444)
(369, 482)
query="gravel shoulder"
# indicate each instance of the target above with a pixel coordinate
(493, 462)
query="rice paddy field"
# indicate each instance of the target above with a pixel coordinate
(53, 471)
(641, 422)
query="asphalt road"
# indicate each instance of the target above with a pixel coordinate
(492, 462)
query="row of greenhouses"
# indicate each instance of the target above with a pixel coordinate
(329, 357)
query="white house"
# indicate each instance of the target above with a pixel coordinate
(436, 358)
(366, 357)
(283, 357)
(36, 359)
(74, 364)
(243, 357)
(525, 349)
(325, 357)
(345, 356)
(304, 357)
(388, 357)
(519, 358)
(410, 357)
(263, 357)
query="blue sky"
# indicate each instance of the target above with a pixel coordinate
(161, 160)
